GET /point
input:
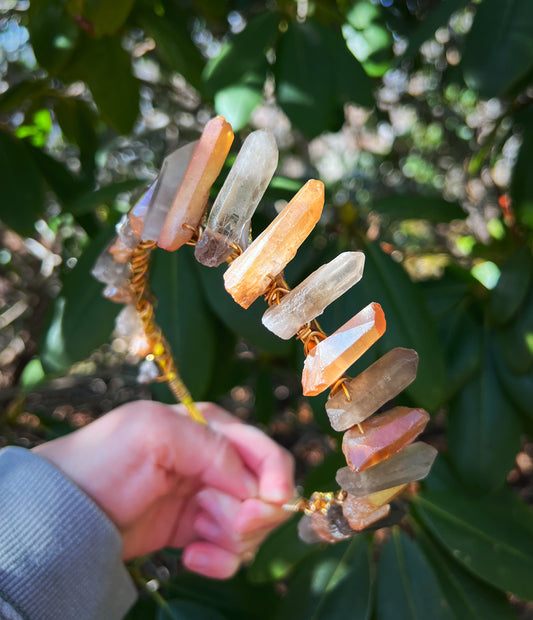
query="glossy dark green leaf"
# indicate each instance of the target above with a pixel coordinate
(437, 18)
(515, 340)
(406, 588)
(173, 41)
(19, 94)
(466, 596)
(483, 430)
(106, 68)
(333, 584)
(53, 33)
(235, 599)
(56, 175)
(513, 285)
(498, 53)
(184, 317)
(279, 554)
(187, 610)
(492, 537)
(244, 323)
(22, 186)
(242, 54)
(462, 337)
(315, 75)
(90, 200)
(409, 323)
(522, 179)
(77, 122)
(434, 209)
(518, 388)
(237, 102)
(82, 319)
(101, 17)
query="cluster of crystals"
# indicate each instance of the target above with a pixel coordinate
(381, 458)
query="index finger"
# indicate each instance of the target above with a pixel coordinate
(272, 464)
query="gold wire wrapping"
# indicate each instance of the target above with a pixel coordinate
(144, 304)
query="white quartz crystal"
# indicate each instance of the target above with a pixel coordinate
(309, 299)
(229, 219)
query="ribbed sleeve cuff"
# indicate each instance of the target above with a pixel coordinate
(60, 555)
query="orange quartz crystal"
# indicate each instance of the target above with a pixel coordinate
(360, 512)
(329, 359)
(252, 272)
(191, 198)
(381, 436)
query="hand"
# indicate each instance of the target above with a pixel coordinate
(165, 480)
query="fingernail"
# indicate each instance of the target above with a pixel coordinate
(197, 561)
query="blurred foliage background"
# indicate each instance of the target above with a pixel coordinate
(417, 116)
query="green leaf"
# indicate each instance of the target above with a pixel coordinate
(237, 102)
(244, 323)
(19, 94)
(236, 599)
(53, 34)
(99, 16)
(173, 41)
(522, 179)
(279, 554)
(438, 17)
(333, 585)
(483, 430)
(518, 388)
(77, 122)
(466, 596)
(81, 319)
(106, 68)
(515, 340)
(56, 175)
(498, 53)
(433, 209)
(22, 186)
(315, 75)
(368, 37)
(90, 200)
(510, 292)
(406, 587)
(184, 318)
(187, 610)
(462, 337)
(492, 537)
(242, 54)
(409, 323)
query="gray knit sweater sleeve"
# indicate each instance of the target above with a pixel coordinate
(60, 556)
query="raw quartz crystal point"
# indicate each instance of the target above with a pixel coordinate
(191, 198)
(138, 211)
(309, 299)
(250, 275)
(170, 178)
(374, 387)
(381, 436)
(108, 271)
(125, 242)
(329, 359)
(360, 512)
(409, 465)
(229, 220)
